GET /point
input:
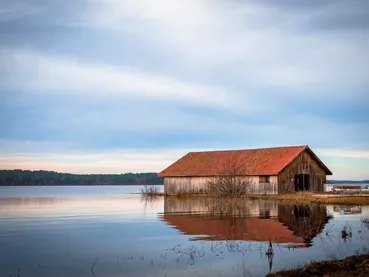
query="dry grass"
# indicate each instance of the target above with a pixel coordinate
(356, 265)
(310, 197)
(317, 198)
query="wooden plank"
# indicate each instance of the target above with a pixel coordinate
(303, 164)
(173, 185)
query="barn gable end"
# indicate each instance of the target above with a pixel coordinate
(305, 172)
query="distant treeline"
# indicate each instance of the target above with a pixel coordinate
(50, 178)
(364, 182)
(20, 177)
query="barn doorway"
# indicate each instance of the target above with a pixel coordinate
(302, 182)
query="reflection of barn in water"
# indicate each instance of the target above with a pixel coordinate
(257, 220)
(306, 221)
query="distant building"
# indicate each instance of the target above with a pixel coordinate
(268, 170)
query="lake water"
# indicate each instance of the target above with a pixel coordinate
(111, 231)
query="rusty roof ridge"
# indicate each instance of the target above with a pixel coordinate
(249, 149)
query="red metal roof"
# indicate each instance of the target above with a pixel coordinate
(262, 161)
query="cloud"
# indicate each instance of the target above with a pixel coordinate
(123, 160)
(106, 122)
(30, 71)
(12, 10)
(261, 43)
(117, 161)
(94, 75)
(358, 154)
(261, 47)
(293, 48)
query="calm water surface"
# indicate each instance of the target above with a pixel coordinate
(110, 231)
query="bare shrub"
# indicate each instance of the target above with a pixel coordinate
(149, 190)
(230, 182)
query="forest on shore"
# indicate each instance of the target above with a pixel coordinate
(20, 177)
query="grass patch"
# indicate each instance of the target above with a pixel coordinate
(317, 198)
(356, 265)
(310, 197)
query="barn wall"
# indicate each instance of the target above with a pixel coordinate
(172, 185)
(303, 164)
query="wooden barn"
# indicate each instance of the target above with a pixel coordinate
(268, 170)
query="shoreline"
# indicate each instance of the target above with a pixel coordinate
(362, 199)
(356, 265)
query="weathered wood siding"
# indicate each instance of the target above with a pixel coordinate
(172, 185)
(303, 164)
(265, 188)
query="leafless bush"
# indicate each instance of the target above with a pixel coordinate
(149, 190)
(230, 182)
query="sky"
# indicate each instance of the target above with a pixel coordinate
(115, 86)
